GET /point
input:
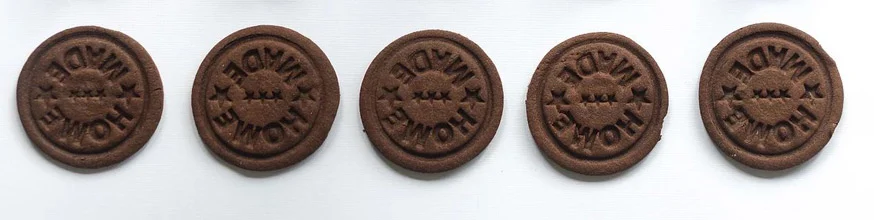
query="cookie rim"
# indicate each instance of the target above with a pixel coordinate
(395, 154)
(548, 146)
(815, 143)
(145, 127)
(318, 133)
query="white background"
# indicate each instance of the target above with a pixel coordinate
(175, 177)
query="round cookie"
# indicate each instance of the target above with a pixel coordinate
(596, 104)
(770, 96)
(431, 101)
(89, 97)
(265, 98)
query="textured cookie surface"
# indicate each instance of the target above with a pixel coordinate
(89, 97)
(596, 104)
(431, 101)
(265, 98)
(770, 96)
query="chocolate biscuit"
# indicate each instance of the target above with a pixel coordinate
(265, 98)
(431, 101)
(596, 104)
(89, 97)
(770, 97)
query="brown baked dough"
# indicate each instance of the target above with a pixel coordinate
(431, 101)
(265, 98)
(770, 96)
(596, 104)
(89, 97)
